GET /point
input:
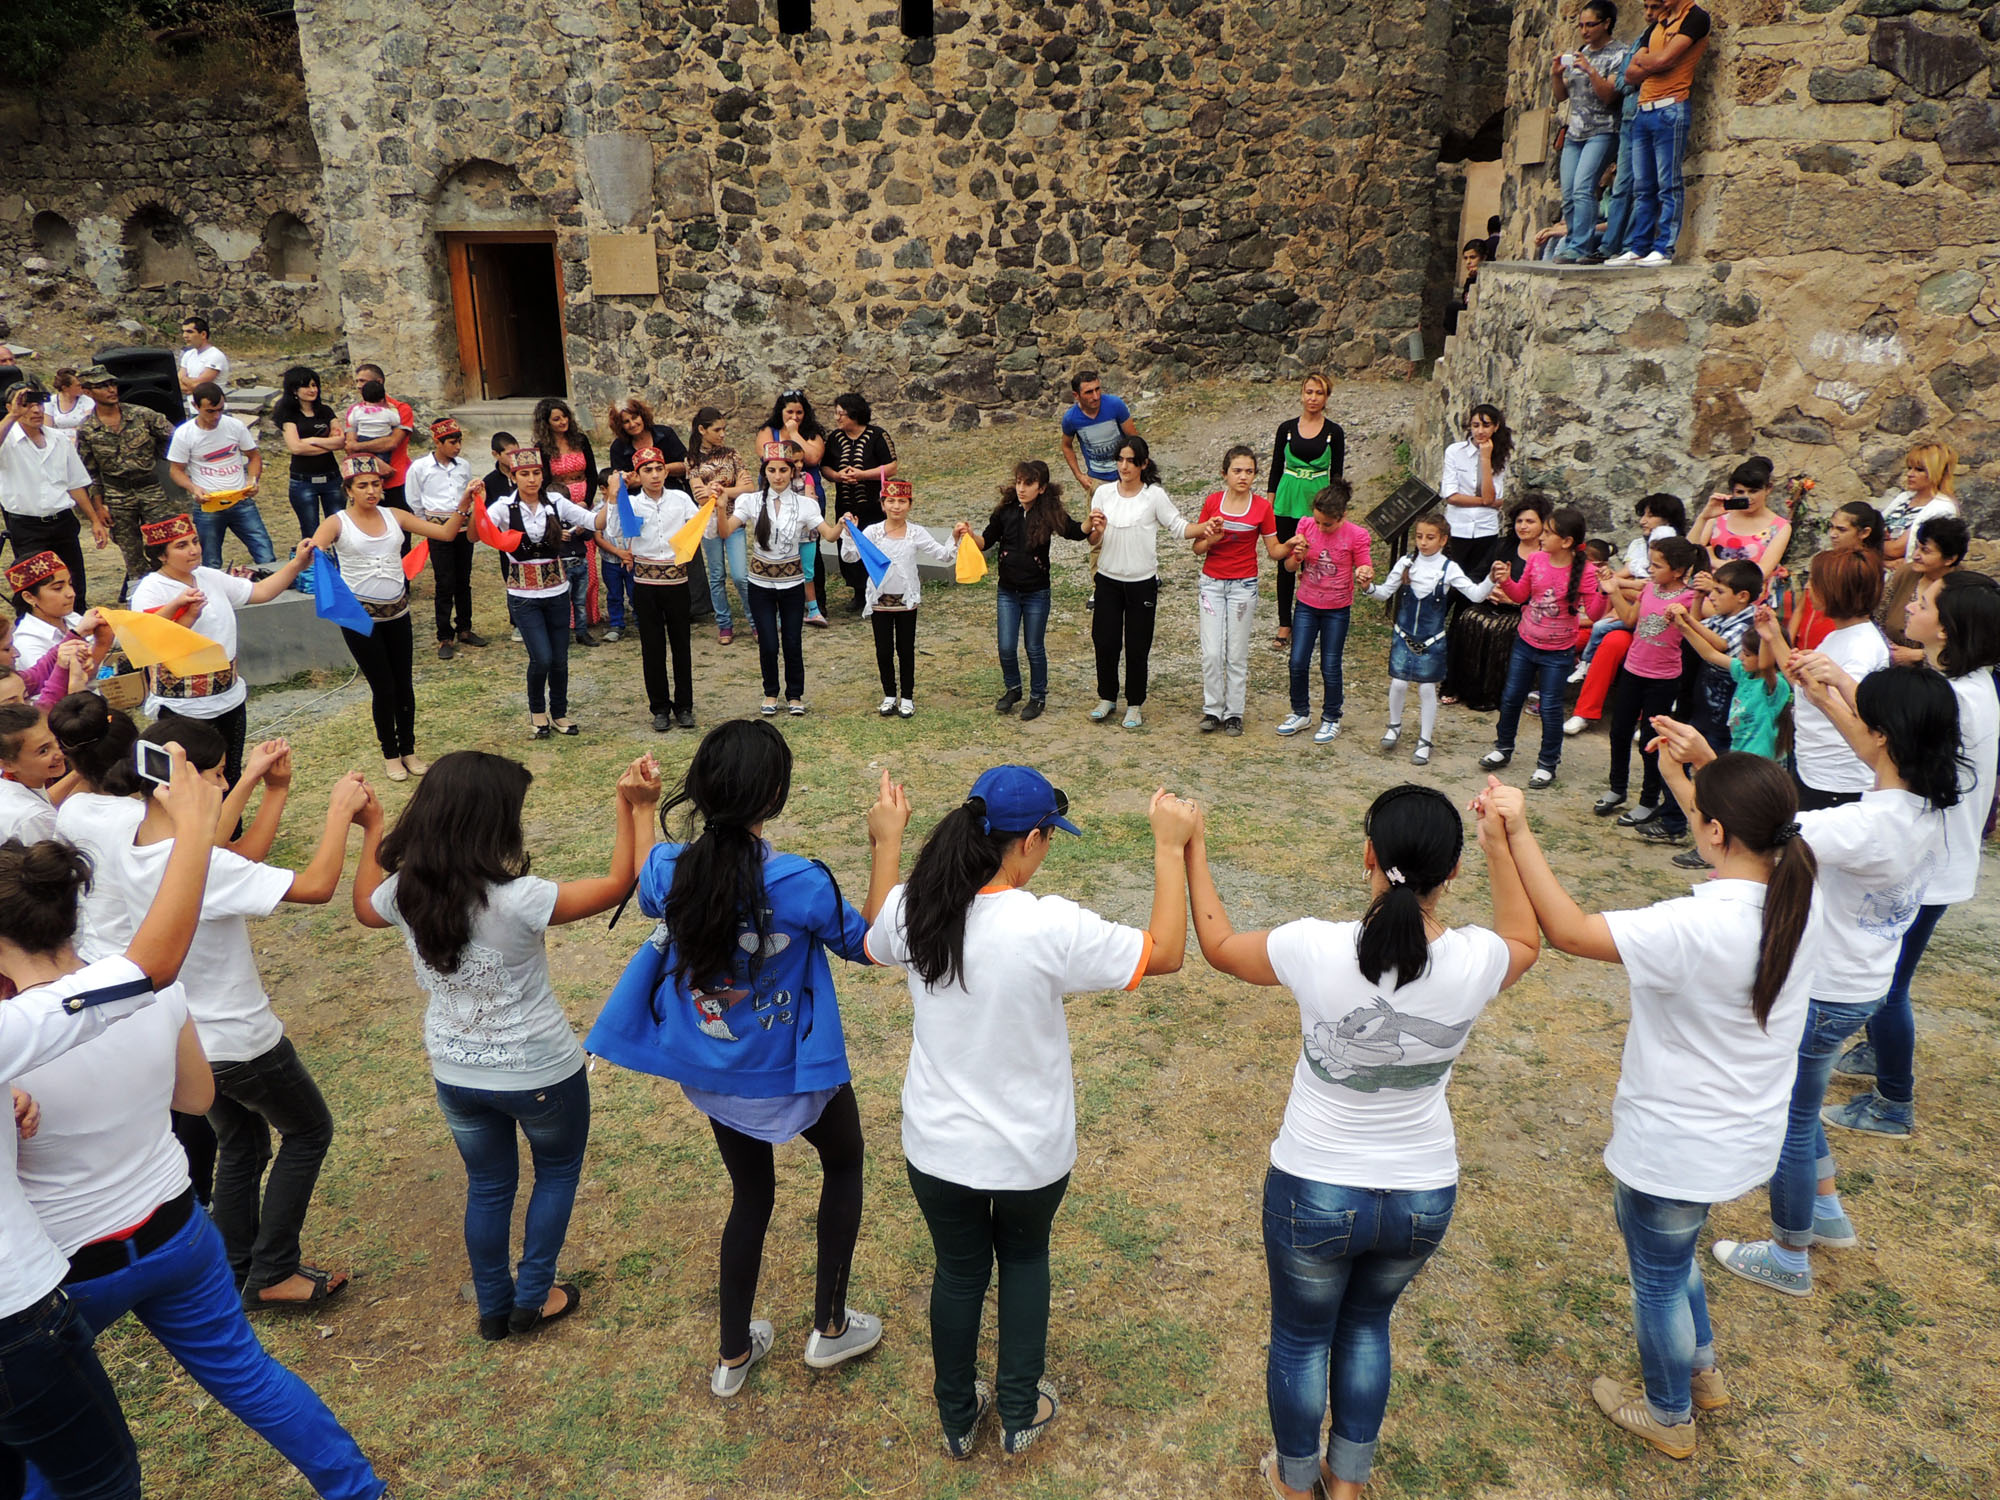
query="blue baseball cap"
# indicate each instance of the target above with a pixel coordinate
(1019, 799)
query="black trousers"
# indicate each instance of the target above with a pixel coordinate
(662, 611)
(1288, 581)
(866, 514)
(233, 726)
(260, 1218)
(384, 659)
(451, 565)
(896, 646)
(1123, 620)
(1634, 700)
(753, 1180)
(59, 534)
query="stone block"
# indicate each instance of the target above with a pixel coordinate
(1972, 132)
(1930, 60)
(1794, 426)
(1901, 415)
(1866, 84)
(1827, 158)
(1905, 171)
(1808, 122)
(1951, 294)
(283, 638)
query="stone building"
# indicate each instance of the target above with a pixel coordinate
(1838, 292)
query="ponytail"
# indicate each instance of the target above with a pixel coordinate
(740, 775)
(763, 527)
(1787, 903)
(1417, 837)
(1568, 523)
(956, 862)
(1756, 804)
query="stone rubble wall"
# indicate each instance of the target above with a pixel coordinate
(1161, 188)
(223, 167)
(1838, 278)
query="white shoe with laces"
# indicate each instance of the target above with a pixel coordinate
(1293, 723)
(1327, 733)
(1629, 258)
(824, 1351)
(905, 708)
(1656, 259)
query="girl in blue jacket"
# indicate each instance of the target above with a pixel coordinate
(733, 999)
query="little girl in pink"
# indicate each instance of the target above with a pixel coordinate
(1330, 555)
(1559, 597)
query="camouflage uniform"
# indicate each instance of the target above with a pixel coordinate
(122, 475)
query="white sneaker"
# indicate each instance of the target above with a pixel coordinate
(905, 708)
(1327, 733)
(728, 1379)
(1577, 673)
(886, 707)
(1293, 724)
(1656, 259)
(1575, 724)
(1629, 258)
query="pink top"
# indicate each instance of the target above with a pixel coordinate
(1548, 621)
(1326, 575)
(567, 470)
(1725, 545)
(47, 681)
(1656, 646)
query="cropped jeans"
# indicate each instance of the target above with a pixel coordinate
(1806, 1157)
(1892, 1031)
(735, 552)
(245, 520)
(1326, 628)
(1017, 614)
(1338, 1258)
(1669, 1299)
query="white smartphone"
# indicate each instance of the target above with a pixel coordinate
(153, 763)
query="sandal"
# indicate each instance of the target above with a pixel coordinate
(1268, 1467)
(326, 1285)
(527, 1319)
(539, 730)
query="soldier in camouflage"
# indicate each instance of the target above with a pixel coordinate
(120, 446)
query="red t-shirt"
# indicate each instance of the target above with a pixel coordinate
(1235, 556)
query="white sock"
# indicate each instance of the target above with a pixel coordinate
(1826, 1205)
(1427, 700)
(1785, 1258)
(1399, 693)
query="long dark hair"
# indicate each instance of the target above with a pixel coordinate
(40, 884)
(956, 862)
(545, 435)
(792, 457)
(1418, 837)
(1968, 607)
(1046, 515)
(1754, 801)
(708, 416)
(1916, 711)
(1142, 455)
(1568, 523)
(808, 423)
(97, 741)
(1503, 435)
(459, 837)
(294, 380)
(741, 774)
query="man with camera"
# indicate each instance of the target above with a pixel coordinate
(43, 484)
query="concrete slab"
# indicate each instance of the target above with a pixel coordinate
(284, 638)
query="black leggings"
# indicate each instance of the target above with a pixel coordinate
(1288, 581)
(660, 610)
(384, 659)
(896, 646)
(1633, 699)
(753, 1179)
(1123, 617)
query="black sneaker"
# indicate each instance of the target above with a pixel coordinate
(1033, 709)
(1232, 727)
(662, 723)
(685, 718)
(1004, 704)
(446, 650)
(1656, 831)
(1635, 817)
(585, 638)
(471, 638)
(1690, 859)
(1210, 723)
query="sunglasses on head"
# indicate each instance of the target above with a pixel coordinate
(1062, 807)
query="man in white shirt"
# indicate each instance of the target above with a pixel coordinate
(436, 484)
(43, 484)
(200, 361)
(215, 459)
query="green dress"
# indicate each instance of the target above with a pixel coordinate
(1300, 467)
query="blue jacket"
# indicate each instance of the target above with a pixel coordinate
(771, 1028)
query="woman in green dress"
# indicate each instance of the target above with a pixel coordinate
(1310, 450)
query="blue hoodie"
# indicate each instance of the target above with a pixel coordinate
(773, 1028)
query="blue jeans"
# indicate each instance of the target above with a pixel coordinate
(1327, 628)
(1338, 1257)
(1806, 1157)
(714, 551)
(1669, 1301)
(311, 504)
(1892, 1031)
(1658, 148)
(1015, 612)
(1599, 631)
(1531, 666)
(1618, 215)
(556, 1121)
(57, 1409)
(1582, 164)
(544, 627)
(578, 571)
(245, 520)
(780, 615)
(617, 588)
(184, 1294)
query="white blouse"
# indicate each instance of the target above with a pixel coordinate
(1131, 530)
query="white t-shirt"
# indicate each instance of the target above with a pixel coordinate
(217, 458)
(194, 361)
(988, 1101)
(36, 480)
(434, 489)
(66, 422)
(1461, 477)
(1877, 857)
(25, 813)
(223, 595)
(106, 1155)
(1131, 552)
(35, 1030)
(795, 518)
(101, 826)
(1965, 821)
(1825, 760)
(1703, 1091)
(1639, 552)
(1368, 1107)
(496, 1022)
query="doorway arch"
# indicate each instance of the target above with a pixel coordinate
(499, 249)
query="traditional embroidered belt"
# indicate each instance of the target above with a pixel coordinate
(387, 609)
(170, 684)
(891, 601)
(647, 570)
(761, 569)
(536, 573)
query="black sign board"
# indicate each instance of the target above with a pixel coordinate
(1391, 519)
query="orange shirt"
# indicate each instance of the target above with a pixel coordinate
(1692, 22)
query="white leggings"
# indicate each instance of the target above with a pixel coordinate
(1427, 703)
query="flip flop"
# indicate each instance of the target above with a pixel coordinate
(325, 1289)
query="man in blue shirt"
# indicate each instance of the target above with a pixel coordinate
(1091, 430)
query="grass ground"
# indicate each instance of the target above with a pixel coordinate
(1884, 1382)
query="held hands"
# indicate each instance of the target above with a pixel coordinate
(1766, 621)
(370, 815)
(1678, 745)
(1365, 574)
(1504, 806)
(1501, 573)
(890, 815)
(270, 762)
(639, 783)
(350, 796)
(191, 800)
(1175, 820)
(305, 549)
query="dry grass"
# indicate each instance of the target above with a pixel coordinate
(1886, 1377)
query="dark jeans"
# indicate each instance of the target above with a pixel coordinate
(59, 534)
(451, 575)
(1806, 1157)
(1531, 666)
(896, 649)
(578, 569)
(618, 588)
(242, 518)
(1669, 1299)
(1328, 629)
(1892, 1031)
(556, 1122)
(260, 1220)
(1123, 618)
(753, 1182)
(57, 1409)
(660, 611)
(197, 1138)
(1338, 1259)
(971, 1229)
(1288, 581)
(1634, 701)
(1017, 614)
(183, 1293)
(544, 627)
(312, 503)
(776, 613)
(384, 659)
(233, 726)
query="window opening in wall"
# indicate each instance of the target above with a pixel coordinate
(55, 238)
(795, 16)
(918, 18)
(289, 252)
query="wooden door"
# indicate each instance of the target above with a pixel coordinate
(499, 351)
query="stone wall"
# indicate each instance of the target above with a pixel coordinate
(1156, 187)
(161, 206)
(1839, 287)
